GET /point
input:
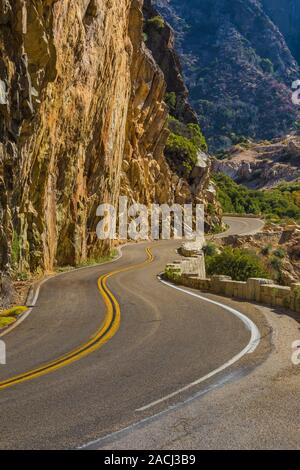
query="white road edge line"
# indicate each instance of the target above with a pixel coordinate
(17, 323)
(250, 348)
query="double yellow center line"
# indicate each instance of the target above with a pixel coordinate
(107, 330)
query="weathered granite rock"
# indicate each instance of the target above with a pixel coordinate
(160, 39)
(270, 239)
(263, 164)
(82, 121)
(161, 42)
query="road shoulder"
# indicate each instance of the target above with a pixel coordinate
(241, 414)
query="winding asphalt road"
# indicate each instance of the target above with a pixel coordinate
(241, 226)
(104, 342)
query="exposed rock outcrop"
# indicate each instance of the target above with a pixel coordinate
(160, 39)
(82, 119)
(264, 164)
(284, 240)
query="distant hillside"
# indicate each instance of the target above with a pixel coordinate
(262, 165)
(238, 65)
(286, 15)
(277, 205)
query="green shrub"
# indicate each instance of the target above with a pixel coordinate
(210, 249)
(197, 137)
(266, 250)
(279, 253)
(171, 275)
(171, 99)
(157, 22)
(276, 263)
(183, 145)
(13, 312)
(6, 321)
(7, 317)
(189, 131)
(238, 263)
(183, 151)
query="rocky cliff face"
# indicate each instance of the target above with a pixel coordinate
(160, 39)
(196, 186)
(82, 119)
(285, 238)
(262, 165)
(238, 65)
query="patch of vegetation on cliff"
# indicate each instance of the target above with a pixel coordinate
(15, 249)
(238, 263)
(99, 259)
(276, 204)
(184, 143)
(171, 101)
(157, 21)
(182, 150)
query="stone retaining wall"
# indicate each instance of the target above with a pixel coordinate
(193, 265)
(259, 290)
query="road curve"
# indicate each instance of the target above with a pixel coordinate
(164, 341)
(241, 226)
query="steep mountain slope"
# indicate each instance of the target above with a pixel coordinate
(238, 66)
(286, 15)
(83, 119)
(186, 148)
(160, 39)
